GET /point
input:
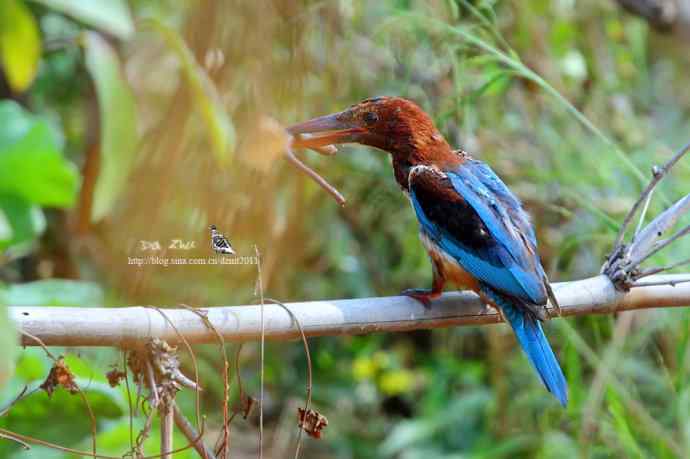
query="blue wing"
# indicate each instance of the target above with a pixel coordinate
(472, 216)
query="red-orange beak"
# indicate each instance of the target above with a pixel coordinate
(326, 130)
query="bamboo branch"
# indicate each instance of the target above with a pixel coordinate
(131, 326)
(192, 435)
(167, 424)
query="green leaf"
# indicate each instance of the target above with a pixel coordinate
(52, 292)
(20, 222)
(112, 16)
(204, 94)
(20, 44)
(32, 365)
(63, 418)
(31, 165)
(118, 123)
(114, 439)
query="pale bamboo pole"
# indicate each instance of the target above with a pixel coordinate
(132, 326)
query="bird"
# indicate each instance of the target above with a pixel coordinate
(475, 230)
(220, 243)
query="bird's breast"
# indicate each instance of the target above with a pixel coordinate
(448, 267)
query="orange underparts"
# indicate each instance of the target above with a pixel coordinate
(447, 269)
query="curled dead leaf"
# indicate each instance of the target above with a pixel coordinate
(60, 375)
(312, 422)
(115, 376)
(245, 405)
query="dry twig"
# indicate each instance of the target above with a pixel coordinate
(22, 395)
(129, 401)
(245, 405)
(623, 264)
(657, 175)
(223, 441)
(302, 425)
(188, 430)
(179, 376)
(164, 379)
(260, 288)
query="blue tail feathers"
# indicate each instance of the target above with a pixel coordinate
(533, 341)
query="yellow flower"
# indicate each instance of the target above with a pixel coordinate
(396, 382)
(363, 368)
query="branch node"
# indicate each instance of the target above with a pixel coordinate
(622, 266)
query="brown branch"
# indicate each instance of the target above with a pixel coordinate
(194, 438)
(155, 401)
(22, 443)
(167, 423)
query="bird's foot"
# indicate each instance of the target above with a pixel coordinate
(423, 295)
(557, 308)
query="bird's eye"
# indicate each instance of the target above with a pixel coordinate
(370, 118)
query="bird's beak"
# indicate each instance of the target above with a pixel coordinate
(325, 130)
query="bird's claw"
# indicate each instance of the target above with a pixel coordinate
(422, 295)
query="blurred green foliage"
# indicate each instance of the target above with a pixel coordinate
(118, 125)
(20, 44)
(204, 94)
(52, 292)
(571, 102)
(33, 172)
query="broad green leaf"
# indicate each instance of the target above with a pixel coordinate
(20, 44)
(32, 365)
(118, 123)
(114, 439)
(112, 16)
(20, 222)
(204, 94)
(52, 292)
(63, 418)
(31, 164)
(15, 123)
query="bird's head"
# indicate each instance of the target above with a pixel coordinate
(212, 227)
(392, 124)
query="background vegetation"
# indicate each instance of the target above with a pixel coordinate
(123, 122)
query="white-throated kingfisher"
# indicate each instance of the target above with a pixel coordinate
(475, 230)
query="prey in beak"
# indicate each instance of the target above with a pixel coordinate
(320, 134)
(362, 123)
